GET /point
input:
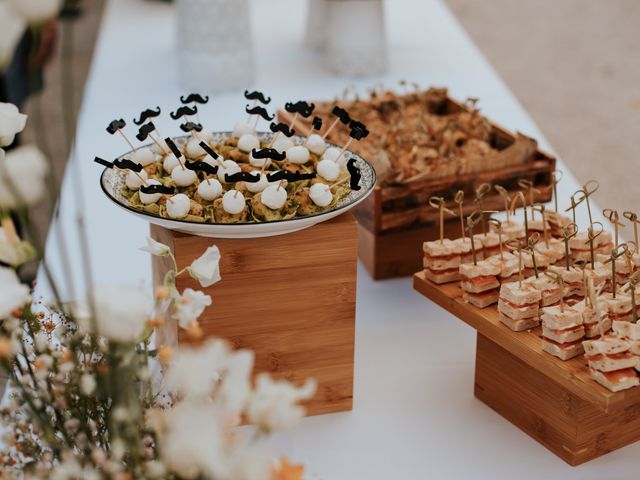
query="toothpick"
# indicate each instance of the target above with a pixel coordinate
(293, 120)
(331, 127)
(567, 234)
(556, 180)
(633, 218)
(344, 149)
(614, 218)
(459, 199)
(560, 281)
(504, 193)
(126, 139)
(541, 209)
(498, 225)
(255, 102)
(481, 191)
(532, 243)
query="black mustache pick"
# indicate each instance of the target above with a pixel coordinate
(201, 167)
(259, 111)
(127, 164)
(151, 189)
(300, 107)
(116, 125)
(189, 126)
(358, 130)
(256, 95)
(194, 98)
(282, 128)
(146, 115)
(145, 130)
(317, 123)
(103, 162)
(289, 176)
(209, 150)
(271, 153)
(342, 114)
(174, 148)
(182, 111)
(355, 173)
(242, 177)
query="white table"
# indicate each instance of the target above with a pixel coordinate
(414, 414)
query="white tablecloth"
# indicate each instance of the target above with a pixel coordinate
(414, 412)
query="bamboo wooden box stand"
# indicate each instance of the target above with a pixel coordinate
(556, 402)
(290, 299)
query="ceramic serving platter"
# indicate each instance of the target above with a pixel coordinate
(112, 180)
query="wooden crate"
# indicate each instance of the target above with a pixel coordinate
(290, 299)
(556, 402)
(399, 214)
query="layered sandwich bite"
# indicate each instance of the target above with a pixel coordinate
(631, 333)
(553, 251)
(573, 280)
(596, 321)
(580, 249)
(509, 266)
(510, 230)
(557, 222)
(618, 308)
(611, 363)
(441, 261)
(518, 306)
(479, 283)
(549, 290)
(490, 242)
(562, 332)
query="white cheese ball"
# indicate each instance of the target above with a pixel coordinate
(248, 142)
(243, 128)
(320, 194)
(214, 162)
(148, 198)
(328, 169)
(194, 150)
(298, 155)
(206, 136)
(233, 202)
(210, 189)
(274, 197)
(316, 144)
(227, 167)
(178, 206)
(183, 176)
(169, 163)
(282, 144)
(260, 185)
(133, 179)
(331, 153)
(259, 162)
(144, 156)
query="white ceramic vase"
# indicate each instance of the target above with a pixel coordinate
(215, 45)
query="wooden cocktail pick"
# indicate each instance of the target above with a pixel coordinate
(531, 243)
(438, 202)
(545, 231)
(117, 126)
(615, 254)
(459, 199)
(472, 221)
(527, 185)
(519, 245)
(568, 231)
(633, 280)
(588, 189)
(498, 225)
(614, 218)
(572, 207)
(341, 116)
(592, 235)
(481, 192)
(555, 179)
(633, 218)
(520, 196)
(560, 281)
(504, 193)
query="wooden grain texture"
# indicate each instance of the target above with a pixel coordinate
(572, 374)
(573, 428)
(290, 299)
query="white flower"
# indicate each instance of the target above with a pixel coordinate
(233, 393)
(15, 253)
(121, 312)
(189, 306)
(12, 27)
(274, 404)
(156, 248)
(11, 120)
(13, 294)
(193, 443)
(22, 177)
(206, 269)
(87, 384)
(195, 371)
(36, 12)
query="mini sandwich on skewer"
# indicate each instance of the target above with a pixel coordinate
(488, 242)
(557, 221)
(509, 263)
(463, 243)
(518, 306)
(510, 228)
(533, 225)
(611, 363)
(441, 257)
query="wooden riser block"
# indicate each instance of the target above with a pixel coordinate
(574, 429)
(291, 299)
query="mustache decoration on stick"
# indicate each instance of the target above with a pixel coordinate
(259, 111)
(190, 126)
(194, 98)
(174, 148)
(317, 123)
(258, 96)
(270, 153)
(342, 114)
(289, 176)
(146, 115)
(282, 128)
(241, 177)
(300, 107)
(126, 164)
(103, 162)
(182, 111)
(355, 173)
(150, 189)
(358, 130)
(116, 125)
(199, 166)
(209, 150)
(145, 130)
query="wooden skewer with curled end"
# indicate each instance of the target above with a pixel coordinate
(504, 193)
(519, 245)
(560, 281)
(520, 196)
(592, 235)
(438, 202)
(481, 192)
(555, 179)
(633, 218)
(613, 216)
(498, 225)
(633, 280)
(568, 231)
(541, 208)
(527, 185)
(472, 221)
(533, 239)
(616, 253)
(589, 188)
(459, 199)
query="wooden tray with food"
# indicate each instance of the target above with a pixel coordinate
(425, 143)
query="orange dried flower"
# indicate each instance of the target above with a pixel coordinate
(194, 331)
(164, 354)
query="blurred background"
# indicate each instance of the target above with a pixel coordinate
(573, 64)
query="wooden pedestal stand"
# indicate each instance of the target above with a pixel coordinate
(290, 299)
(555, 402)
